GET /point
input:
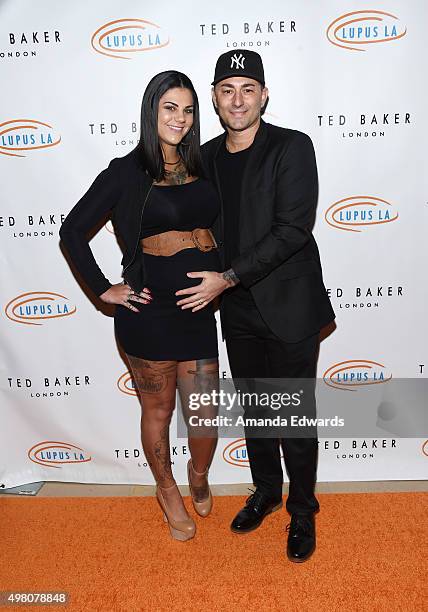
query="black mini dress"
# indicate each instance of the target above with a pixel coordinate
(161, 330)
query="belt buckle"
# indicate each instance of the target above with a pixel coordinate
(198, 245)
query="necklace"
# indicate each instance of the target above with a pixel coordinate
(172, 163)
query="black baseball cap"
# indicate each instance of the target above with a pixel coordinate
(239, 62)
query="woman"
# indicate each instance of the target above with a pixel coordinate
(161, 208)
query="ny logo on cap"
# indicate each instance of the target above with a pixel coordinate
(237, 61)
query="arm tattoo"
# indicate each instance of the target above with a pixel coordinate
(230, 277)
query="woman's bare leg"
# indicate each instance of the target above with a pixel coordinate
(199, 376)
(156, 383)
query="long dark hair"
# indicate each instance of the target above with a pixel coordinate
(148, 148)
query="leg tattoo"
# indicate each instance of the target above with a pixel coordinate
(205, 375)
(161, 452)
(199, 376)
(156, 385)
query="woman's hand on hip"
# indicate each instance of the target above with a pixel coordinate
(123, 294)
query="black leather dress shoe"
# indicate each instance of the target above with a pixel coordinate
(301, 537)
(257, 506)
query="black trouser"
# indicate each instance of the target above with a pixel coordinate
(255, 352)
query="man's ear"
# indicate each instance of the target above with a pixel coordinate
(214, 98)
(265, 95)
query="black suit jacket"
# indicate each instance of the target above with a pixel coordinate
(278, 257)
(120, 192)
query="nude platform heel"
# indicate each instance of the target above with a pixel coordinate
(180, 530)
(203, 508)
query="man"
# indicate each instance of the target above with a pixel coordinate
(274, 302)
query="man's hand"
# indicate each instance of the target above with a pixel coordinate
(213, 283)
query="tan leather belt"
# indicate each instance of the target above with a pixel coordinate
(170, 243)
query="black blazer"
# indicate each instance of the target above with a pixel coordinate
(120, 191)
(278, 257)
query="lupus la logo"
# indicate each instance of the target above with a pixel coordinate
(357, 213)
(354, 373)
(356, 30)
(54, 454)
(126, 384)
(127, 36)
(236, 453)
(18, 136)
(36, 307)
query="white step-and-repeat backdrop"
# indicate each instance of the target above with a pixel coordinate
(72, 76)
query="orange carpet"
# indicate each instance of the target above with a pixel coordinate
(116, 554)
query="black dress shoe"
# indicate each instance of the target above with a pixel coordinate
(301, 537)
(257, 506)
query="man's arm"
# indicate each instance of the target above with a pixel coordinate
(230, 277)
(207, 151)
(295, 204)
